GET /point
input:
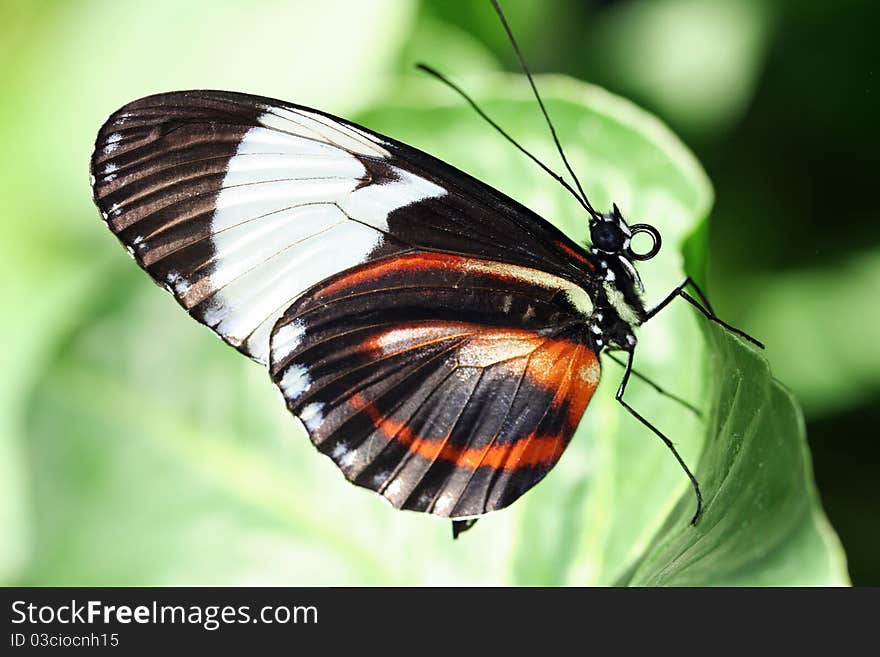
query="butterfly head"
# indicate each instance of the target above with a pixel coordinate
(612, 238)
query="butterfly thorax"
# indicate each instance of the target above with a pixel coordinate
(618, 306)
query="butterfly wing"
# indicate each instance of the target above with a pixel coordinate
(237, 204)
(449, 384)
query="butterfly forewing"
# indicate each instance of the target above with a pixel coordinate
(448, 384)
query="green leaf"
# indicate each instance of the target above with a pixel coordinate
(763, 523)
(160, 456)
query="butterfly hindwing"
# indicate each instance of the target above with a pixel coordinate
(237, 204)
(448, 384)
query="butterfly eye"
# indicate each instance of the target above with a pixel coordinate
(655, 242)
(607, 236)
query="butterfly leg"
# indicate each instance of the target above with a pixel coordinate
(705, 308)
(619, 396)
(459, 526)
(693, 409)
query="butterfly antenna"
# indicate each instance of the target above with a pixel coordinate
(449, 83)
(522, 62)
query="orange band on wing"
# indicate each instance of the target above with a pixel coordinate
(404, 263)
(427, 262)
(529, 451)
(574, 254)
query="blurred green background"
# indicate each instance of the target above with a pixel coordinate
(102, 485)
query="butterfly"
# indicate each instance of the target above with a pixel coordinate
(438, 340)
